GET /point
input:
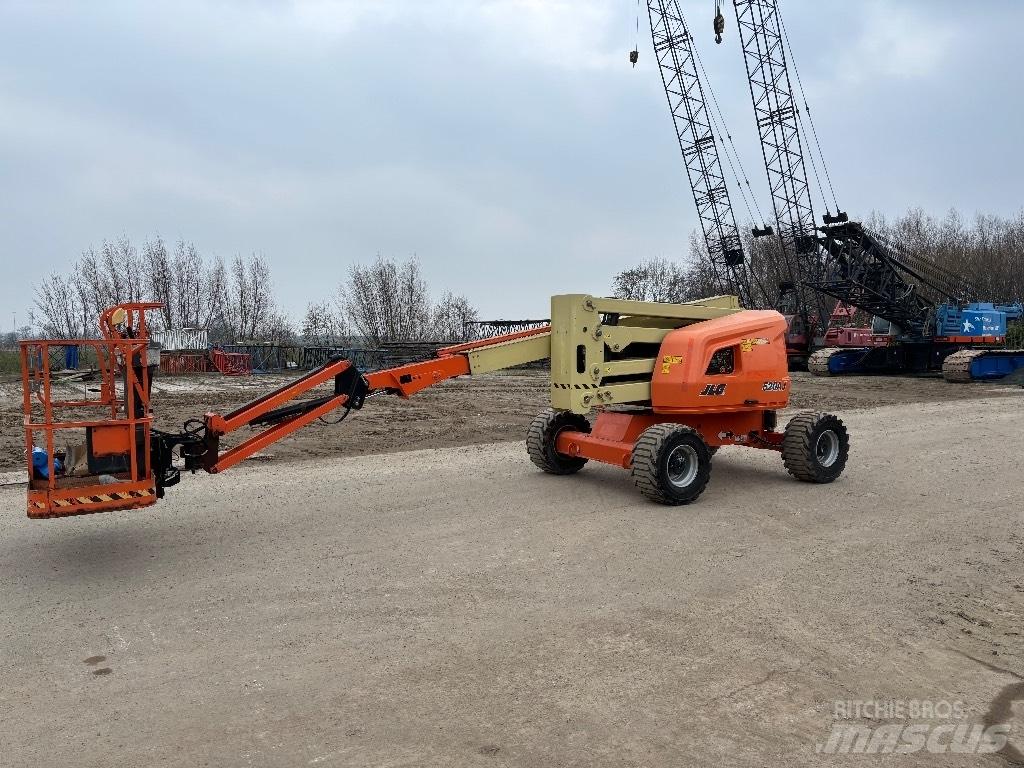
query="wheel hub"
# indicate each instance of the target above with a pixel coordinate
(826, 448)
(683, 465)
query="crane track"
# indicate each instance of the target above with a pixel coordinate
(817, 363)
(957, 367)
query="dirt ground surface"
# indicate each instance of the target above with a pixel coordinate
(468, 411)
(456, 607)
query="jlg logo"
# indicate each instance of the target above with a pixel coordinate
(713, 390)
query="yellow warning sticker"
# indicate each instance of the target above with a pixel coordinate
(668, 361)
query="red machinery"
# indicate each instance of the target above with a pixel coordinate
(670, 385)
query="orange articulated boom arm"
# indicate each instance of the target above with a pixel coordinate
(407, 380)
(282, 413)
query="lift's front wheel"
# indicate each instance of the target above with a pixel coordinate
(542, 437)
(671, 464)
(815, 447)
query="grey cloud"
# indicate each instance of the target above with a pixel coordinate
(509, 145)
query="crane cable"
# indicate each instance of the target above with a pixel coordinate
(723, 130)
(721, 127)
(810, 118)
(814, 167)
(634, 55)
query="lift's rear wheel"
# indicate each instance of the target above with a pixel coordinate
(815, 447)
(543, 435)
(671, 464)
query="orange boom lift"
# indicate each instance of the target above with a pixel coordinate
(653, 388)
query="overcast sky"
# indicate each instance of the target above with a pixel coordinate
(507, 143)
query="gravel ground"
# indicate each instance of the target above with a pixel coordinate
(455, 607)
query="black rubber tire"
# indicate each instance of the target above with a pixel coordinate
(543, 434)
(651, 464)
(802, 447)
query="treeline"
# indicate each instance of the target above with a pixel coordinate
(989, 250)
(660, 279)
(390, 301)
(235, 300)
(387, 301)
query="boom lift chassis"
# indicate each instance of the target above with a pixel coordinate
(670, 385)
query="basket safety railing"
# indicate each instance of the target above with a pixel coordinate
(121, 400)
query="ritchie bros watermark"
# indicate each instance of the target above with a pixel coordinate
(909, 726)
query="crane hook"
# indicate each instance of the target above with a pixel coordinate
(634, 57)
(719, 23)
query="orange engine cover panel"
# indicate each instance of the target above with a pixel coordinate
(732, 363)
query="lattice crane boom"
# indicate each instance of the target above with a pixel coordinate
(678, 65)
(778, 123)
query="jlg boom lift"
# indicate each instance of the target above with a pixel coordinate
(669, 384)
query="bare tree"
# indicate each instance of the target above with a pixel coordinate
(214, 316)
(653, 280)
(85, 299)
(247, 308)
(233, 305)
(120, 271)
(239, 301)
(263, 315)
(321, 326)
(989, 252)
(450, 316)
(390, 301)
(91, 284)
(57, 302)
(160, 281)
(386, 301)
(193, 290)
(278, 328)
